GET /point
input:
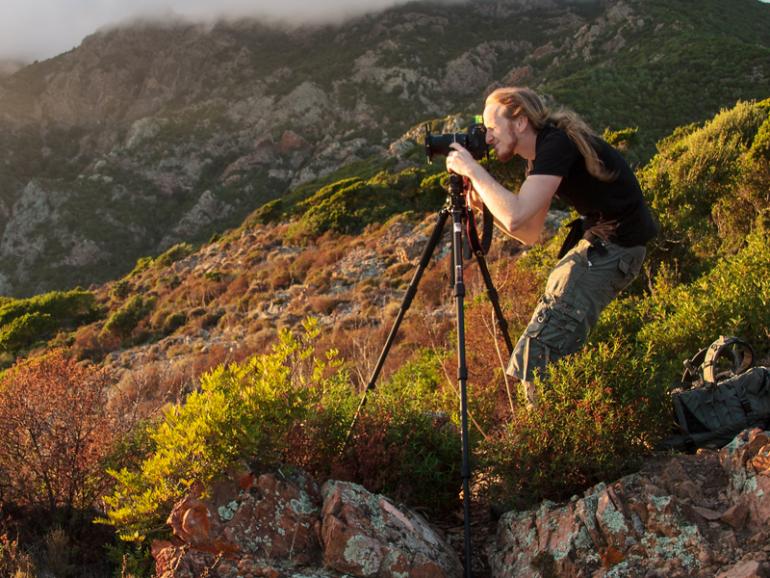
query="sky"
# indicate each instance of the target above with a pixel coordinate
(40, 29)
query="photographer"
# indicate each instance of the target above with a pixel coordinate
(604, 250)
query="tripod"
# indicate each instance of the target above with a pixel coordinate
(456, 207)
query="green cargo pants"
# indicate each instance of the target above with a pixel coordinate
(581, 285)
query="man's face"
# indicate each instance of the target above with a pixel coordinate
(501, 133)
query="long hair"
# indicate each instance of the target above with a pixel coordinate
(520, 100)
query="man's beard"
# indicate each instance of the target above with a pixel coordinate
(509, 151)
(506, 154)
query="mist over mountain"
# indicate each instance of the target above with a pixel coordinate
(149, 135)
(43, 28)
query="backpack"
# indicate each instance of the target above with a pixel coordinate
(719, 396)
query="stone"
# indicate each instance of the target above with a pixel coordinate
(247, 518)
(707, 514)
(366, 535)
(761, 460)
(736, 516)
(747, 569)
(274, 525)
(628, 528)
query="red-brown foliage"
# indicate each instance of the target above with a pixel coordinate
(54, 430)
(93, 343)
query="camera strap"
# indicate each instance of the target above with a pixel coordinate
(487, 227)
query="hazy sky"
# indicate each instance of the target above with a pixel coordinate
(39, 29)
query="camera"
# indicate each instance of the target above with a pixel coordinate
(475, 140)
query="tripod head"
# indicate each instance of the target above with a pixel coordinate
(457, 202)
(456, 192)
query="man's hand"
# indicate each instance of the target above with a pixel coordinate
(461, 162)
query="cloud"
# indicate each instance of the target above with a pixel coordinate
(39, 29)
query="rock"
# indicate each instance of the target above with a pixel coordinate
(663, 521)
(367, 535)
(736, 516)
(277, 526)
(247, 520)
(747, 569)
(291, 141)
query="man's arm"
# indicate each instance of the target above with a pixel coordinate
(520, 215)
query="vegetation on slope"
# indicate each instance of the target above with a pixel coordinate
(603, 408)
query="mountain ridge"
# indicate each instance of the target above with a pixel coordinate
(144, 137)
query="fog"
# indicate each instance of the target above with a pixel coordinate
(40, 29)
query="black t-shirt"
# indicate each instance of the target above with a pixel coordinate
(614, 211)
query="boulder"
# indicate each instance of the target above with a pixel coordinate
(368, 535)
(699, 515)
(279, 525)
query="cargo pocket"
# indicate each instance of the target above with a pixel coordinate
(629, 266)
(574, 328)
(560, 325)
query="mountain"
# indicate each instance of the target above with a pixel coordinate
(8, 67)
(149, 135)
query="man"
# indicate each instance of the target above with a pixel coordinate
(607, 245)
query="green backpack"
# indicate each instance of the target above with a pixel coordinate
(720, 395)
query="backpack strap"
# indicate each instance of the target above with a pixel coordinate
(741, 353)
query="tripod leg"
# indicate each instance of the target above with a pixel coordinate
(458, 214)
(495, 299)
(405, 304)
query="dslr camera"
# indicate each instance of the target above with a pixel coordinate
(475, 140)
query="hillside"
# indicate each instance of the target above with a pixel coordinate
(147, 136)
(161, 411)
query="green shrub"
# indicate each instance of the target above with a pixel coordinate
(407, 444)
(732, 299)
(696, 177)
(121, 289)
(123, 321)
(347, 206)
(25, 322)
(173, 321)
(248, 411)
(25, 330)
(175, 253)
(606, 406)
(598, 415)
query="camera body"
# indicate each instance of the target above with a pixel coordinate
(475, 140)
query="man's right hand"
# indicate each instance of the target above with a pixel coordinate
(460, 161)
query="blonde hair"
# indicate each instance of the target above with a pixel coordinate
(521, 100)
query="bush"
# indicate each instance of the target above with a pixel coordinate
(25, 322)
(125, 319)
(407, 443)
(606, 406)
(25, 330)
(599, 414)
(732, 299)
(54, 430)
(696, 177)
(175, 253)
(347, 206)
(14, 561)
(246, 411)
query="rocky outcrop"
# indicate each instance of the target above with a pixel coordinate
(685, 516)
(702, 515)
(282, 525)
